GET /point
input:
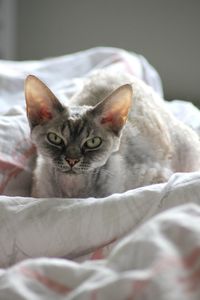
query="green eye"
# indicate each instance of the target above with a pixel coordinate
(54, 138)
(93, 142)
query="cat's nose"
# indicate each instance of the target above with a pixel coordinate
(72, 161)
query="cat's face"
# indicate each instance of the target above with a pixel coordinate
(80, 139)
(74, 143)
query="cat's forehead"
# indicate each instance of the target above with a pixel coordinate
(78, 111)
(75, 123)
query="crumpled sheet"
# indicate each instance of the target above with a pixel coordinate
(158, 260)
(120, 259)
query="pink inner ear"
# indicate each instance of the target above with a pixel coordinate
(107, 119)
(45, 114)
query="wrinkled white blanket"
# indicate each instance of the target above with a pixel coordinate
(122, 260)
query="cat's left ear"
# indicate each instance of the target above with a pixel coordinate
(113, 111)
(41, 104)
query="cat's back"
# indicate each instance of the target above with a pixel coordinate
(147, 107)
(150, 121)
(98, 85)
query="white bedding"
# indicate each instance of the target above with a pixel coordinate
(113, 256)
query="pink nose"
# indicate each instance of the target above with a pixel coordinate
(71, 161)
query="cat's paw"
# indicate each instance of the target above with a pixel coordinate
(157, 174)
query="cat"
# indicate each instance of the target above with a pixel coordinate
(115, 134)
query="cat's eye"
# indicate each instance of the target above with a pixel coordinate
(54, 139)
(93, 143)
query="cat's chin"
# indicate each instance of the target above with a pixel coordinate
(69, 172)
(72, 172)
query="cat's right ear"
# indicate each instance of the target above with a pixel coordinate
(41, 104)
(112, 112)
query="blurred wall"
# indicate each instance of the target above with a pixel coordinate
(8, 36)
(167, 33)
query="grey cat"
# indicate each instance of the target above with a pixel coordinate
(115, 134)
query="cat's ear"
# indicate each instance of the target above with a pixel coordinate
(113, 111)
(41, 104)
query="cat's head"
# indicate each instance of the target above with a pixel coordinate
(75, 139)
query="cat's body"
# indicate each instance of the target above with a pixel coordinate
(145, 149)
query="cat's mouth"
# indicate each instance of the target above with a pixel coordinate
(68, 171)
(71, 171)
